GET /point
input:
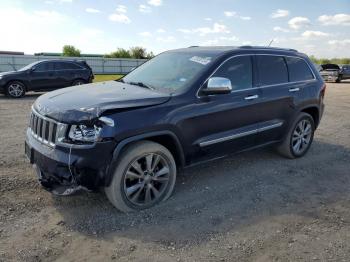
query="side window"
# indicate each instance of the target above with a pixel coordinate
(66, 66)
(41, 67)
(45, 66)
(298, 69)
(239, 71)
(272, 70)
(71, 66)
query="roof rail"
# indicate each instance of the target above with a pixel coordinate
(193, 46)
(267, 47)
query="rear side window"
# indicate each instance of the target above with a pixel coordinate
(67, 66)
(298, 69)
(272, 70)
(239, 71)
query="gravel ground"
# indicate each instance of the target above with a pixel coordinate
(256, 206)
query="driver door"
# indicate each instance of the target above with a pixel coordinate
(226, 123)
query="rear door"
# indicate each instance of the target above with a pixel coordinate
(284, 82)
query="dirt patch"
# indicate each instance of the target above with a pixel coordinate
(255, 206)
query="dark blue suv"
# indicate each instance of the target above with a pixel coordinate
(180, 108)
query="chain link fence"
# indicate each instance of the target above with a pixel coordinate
(99, 65)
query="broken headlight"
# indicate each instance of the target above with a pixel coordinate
(83, 133)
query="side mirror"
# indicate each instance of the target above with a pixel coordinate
(217, 86)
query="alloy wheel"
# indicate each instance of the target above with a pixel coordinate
(302, 136)
(15, 90)
(146, 179)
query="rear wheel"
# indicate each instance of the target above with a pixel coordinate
(299, 137)
(143, 176)
(15, 89)
(78, 82)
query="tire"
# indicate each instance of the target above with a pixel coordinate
(78, 82)
(15, 89)
(338, 80)
(131, 188)
(288, 147)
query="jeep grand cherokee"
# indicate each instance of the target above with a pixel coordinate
(180, 108)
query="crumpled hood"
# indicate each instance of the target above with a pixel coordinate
(79, 104)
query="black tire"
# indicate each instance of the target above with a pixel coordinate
(287, 147)
(15, 89)
(338, 79)
(78, 82)
(121, 191)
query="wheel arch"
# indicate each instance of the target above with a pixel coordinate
(166, 138)
(18, 80)
(314, 112)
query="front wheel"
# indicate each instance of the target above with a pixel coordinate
(299, 138)
(143, 176)
(15, 89)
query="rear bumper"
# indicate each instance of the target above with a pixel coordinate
(63, 169)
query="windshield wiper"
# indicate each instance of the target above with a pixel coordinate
(140, 84)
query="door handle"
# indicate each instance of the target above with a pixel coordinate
(251, 97)
(294, 89)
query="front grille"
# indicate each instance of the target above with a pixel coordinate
(43, 129)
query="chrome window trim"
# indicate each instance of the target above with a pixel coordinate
(262, 86)
(239, 135)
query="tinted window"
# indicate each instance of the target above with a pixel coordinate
(298, 69)
(45, 66)
(239, 71)
(66, 66)
(272, 70)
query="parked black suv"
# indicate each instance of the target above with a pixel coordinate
(178, 109)
(45, 75)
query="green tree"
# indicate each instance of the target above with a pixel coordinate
(138, 52)
(69, 50)
(119, 53)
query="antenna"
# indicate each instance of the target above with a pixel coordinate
(271, 42)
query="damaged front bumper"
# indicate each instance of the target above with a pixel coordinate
(63, 170)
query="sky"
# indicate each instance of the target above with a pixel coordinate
(316, 27)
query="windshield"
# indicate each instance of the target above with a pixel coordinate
(169, 71)
(28, 66)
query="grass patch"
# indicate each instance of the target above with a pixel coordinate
(101, 78)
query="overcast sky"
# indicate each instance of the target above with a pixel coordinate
(317, 27)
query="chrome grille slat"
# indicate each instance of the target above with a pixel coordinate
(50, 131)
(43, 128)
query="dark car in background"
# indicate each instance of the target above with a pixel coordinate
(45, 75)
(181, 108)
(344, 72)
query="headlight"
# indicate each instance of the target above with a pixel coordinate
(84, 133)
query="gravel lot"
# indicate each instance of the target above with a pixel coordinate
(256, 206)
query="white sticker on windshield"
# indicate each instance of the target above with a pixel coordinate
(201, 60)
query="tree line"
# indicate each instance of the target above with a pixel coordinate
(141, 53)
(338, 61)
(136, 52)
